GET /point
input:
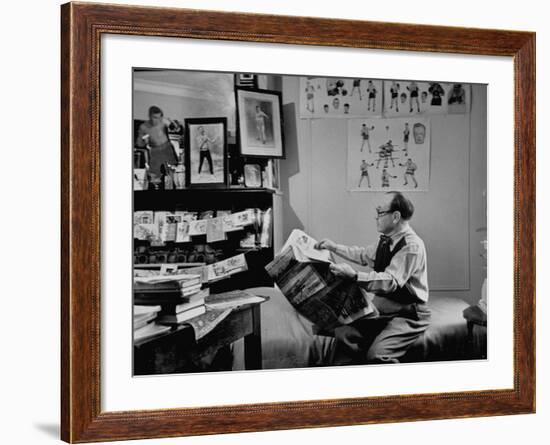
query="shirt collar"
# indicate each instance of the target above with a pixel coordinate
(400, 234)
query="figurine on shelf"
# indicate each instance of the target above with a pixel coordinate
(166, 182)
(179, 176)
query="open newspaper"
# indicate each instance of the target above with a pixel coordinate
(302, 274)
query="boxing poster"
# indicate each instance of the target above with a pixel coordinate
(388, 154)
(412, 98)
(331, 97)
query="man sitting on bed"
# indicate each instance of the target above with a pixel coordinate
(397, 276)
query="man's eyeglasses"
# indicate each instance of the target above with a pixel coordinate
(380, 213)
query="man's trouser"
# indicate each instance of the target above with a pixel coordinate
(385, 339)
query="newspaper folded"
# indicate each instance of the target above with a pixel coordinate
(205, 323)
(303, 275)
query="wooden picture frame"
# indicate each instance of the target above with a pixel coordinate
(214, 128)
(82, 26)
(267, 141)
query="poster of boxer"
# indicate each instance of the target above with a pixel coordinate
(331, 97)
(410, 98)
(389, 154)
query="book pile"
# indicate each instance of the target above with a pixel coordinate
(144, 322)
(143, 315)
(192, 306)
(165, 288)
(174, 296)
(180, 295)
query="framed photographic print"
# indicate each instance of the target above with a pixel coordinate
(434, 264)
(252, 175)
(260, 123)
(272, 175)
(206, 152)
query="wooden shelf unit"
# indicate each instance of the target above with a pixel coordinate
(232, 199)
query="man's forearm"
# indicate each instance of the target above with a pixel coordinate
(377, 282)
(355, 254)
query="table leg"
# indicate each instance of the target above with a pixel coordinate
(253, 342)
(470, 339)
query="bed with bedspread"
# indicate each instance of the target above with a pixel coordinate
(289, 341)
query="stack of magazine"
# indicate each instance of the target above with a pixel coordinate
(145, 326)
(180, 296)
(165, 300)
(303, 275)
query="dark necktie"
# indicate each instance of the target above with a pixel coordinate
(383, 254)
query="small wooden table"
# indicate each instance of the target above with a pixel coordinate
(176, 351)
(474, 316)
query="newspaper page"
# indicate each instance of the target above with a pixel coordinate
(303, 275)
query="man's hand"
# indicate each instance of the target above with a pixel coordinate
(349, 336)
(326, 244)
(343, 270)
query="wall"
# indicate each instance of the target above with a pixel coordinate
(175, 107)
(446, 217)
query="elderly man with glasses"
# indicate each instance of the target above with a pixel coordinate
(397, 277)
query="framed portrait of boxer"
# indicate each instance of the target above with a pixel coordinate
(206, 152)
(260, 123)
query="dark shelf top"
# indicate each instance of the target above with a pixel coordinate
(208, 190)
(234, 199)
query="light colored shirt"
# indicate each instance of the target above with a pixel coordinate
(203, 141)
(408, 267)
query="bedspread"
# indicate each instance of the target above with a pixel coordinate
(288, 340)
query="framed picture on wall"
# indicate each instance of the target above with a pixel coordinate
(431, 304)
(260, 123)
(206, 152)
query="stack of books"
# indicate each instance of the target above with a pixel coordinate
(180, 296)
(143, 315)
(192, 306)
(144, 322)
(160, 289)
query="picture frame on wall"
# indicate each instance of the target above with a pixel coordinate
(230, 402)
(259, 116)
(206, 152)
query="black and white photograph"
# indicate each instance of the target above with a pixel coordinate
(331, 97)
(389, 154)
(252, 175)
(205, 152)
(271, 175)
(260, 131)
(331, 277)
(411, 97)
